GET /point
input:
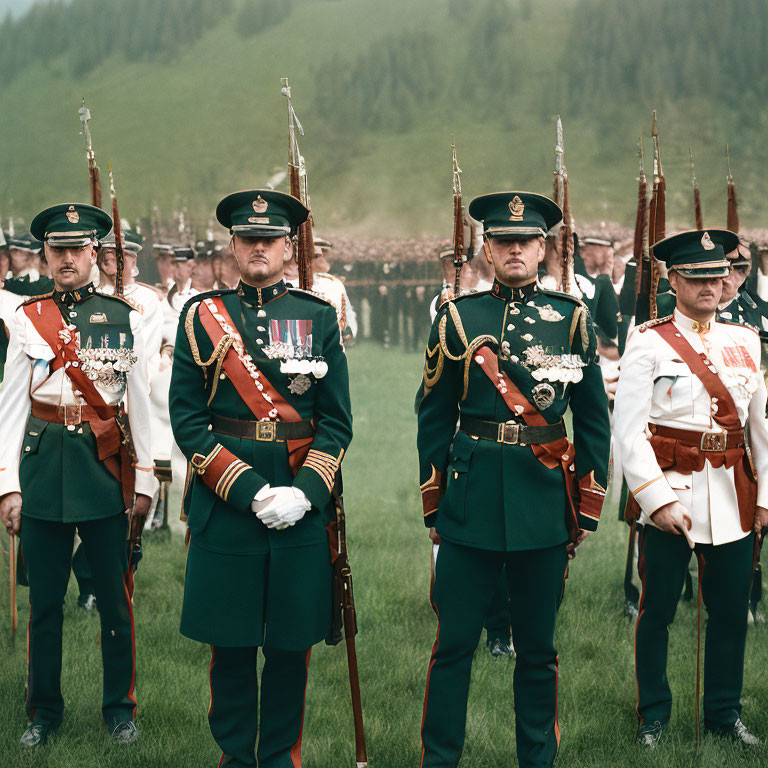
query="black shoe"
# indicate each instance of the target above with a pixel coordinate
(35, 735)
(649, 734)
(500, 648)
(87, 602)
(125, 732)
(737, 732)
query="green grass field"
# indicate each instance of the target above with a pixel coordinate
(390, 559)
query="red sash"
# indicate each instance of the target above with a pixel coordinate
(557, 453)
(48, 322)
(727, 417)
(261, 397)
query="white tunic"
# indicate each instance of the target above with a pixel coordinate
(656, 386)
(28, 377)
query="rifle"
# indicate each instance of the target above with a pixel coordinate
(93, 169)
(12, 576)
(697, 214)
(299, 188)
(118, 228)
(344, 616)
(459, 250)
(657, 217)
(639, 248)
(562, 198)
(732, 214)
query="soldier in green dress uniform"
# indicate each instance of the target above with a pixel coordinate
(66, 463)
(260, 407)
(507, 489)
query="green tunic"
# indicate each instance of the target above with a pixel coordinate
(501, 497)
(61, 477)
(247, 584)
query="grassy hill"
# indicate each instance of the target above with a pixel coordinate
(379, 87)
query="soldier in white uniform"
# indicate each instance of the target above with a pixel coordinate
(689, 387)
(67, 463)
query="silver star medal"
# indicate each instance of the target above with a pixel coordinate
(299, 384)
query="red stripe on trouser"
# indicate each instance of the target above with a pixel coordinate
(557, 685)
(641, 573)
(426, 692)
(210, 703)
(131, 695)
(296, 748)
(30, 712)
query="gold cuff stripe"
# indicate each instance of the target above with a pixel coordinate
(431, 478)
(225, 491)
(645, 485)
(228, 477)
(591, 517)
(429, 512)
(328, 483)
(321, 469)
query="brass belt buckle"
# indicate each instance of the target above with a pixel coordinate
(714, 441)
(509, 433)
(266, 431)
(71, 414)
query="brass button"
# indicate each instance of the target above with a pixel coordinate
(27, 449)
(70, 427)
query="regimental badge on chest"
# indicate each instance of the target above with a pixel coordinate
(290, 341)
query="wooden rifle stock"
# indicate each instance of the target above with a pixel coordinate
(732, 214)
(95, 181)
(345, 615)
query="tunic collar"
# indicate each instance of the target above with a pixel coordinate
(507, 293)
(67, 298)
(687, 324)
(259, 296)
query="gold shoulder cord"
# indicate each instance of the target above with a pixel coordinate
(471, 349)
(225, 341)
(577, 313)
(459, 329)
(431, 377)
(224, 344)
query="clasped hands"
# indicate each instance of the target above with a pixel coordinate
(280, 507)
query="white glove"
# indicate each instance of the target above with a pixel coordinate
(262, 498)
(286, 506)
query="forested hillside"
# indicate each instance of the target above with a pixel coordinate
(185, 96)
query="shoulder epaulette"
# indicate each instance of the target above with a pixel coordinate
(111, 297)
(33, 299)
(198, 297)
(562, 295)
(470, 295)
(746, 325)
(153, 288)
(749, 300)
(651, 323)
(309, 295)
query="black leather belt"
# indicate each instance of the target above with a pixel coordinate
(512, 432)
(263, 431)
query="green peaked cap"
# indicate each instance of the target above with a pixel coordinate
(133, 241)
(71, 224)
(697, 252)
(511, 215)
(261, 213)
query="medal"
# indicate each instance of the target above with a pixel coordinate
(543, 395)
(299, 384)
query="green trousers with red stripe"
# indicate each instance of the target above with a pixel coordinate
(465, 579)
(725, 579)
(47, 547)
(238, 718)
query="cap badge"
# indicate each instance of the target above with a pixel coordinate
(260, 205)
(706, 242)
(72, 215)
(516, 208)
